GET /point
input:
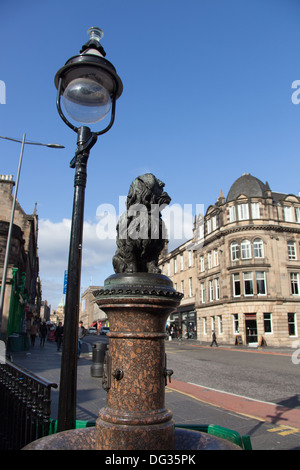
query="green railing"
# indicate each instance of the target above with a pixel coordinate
(214, 430)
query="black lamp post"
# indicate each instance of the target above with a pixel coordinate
(88, 86)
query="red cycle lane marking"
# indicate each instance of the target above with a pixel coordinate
(263, 411)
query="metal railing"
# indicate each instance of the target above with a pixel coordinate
(25, 406)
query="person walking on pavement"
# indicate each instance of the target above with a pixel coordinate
(43, 333)
(59, 333)
(214, 339)
(179, 334)
(81, 334)
(33, 332)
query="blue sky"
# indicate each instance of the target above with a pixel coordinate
(207, 97)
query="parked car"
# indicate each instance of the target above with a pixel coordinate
(92, 330)
(104, 330)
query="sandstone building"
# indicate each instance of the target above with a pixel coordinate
(89, 312)
(179, 265)
(245, 268)
(23, 289)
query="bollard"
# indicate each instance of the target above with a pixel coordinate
(99, 350)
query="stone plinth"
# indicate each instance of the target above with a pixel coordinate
(135, 417)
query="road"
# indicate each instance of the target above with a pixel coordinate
(261, 390)
(258, 374)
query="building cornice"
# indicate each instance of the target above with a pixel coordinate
(244, 300)
(243, 228)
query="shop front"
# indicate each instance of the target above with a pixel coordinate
(184, 322)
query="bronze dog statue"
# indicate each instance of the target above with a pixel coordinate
(140, 231)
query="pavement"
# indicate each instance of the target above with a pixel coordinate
(190, 403)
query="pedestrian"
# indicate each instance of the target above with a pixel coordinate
(214, 339)
(81, 333)
(179, 333)
(172, 331)
(33, 332)
(43, 333)
(59, 333)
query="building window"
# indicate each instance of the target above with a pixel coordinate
(209, 260)
(268, 322)
(292, 250)
(255, 210)
(211, 290)
(243, 211)
(204, 325)
(294, 283)
(287, 213)
(190, 287)
(245, 249)
(190, 258)
(234, 250)
(213, 323)
(261, 283)
(220, 324)
(200, 229)
(297, 214)
(181, 262)
(236, 285)
(232, 214)
(182, 287)
(248, 283)
(216, 258)
(235, 318)
(175, 265)
(201, 264)
(258, 248)
(169, 268)
(214, 222)
(292, 324)
(208, 226)
(217, 288)
(202, 290)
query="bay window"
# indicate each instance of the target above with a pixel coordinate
(243, 211)
(245, 249)
(261, 283)
(255, 210)
(258, 248)
(287, 213)
(248, 283)
(234, 250)
(236, 285)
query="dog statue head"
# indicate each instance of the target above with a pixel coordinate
(147, 190)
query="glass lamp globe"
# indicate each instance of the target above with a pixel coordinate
(86, 100)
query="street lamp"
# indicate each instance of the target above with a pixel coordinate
(88, 87)
(5, 266)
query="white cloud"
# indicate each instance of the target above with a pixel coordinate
(53, 242)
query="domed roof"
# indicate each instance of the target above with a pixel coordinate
(247, 185)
